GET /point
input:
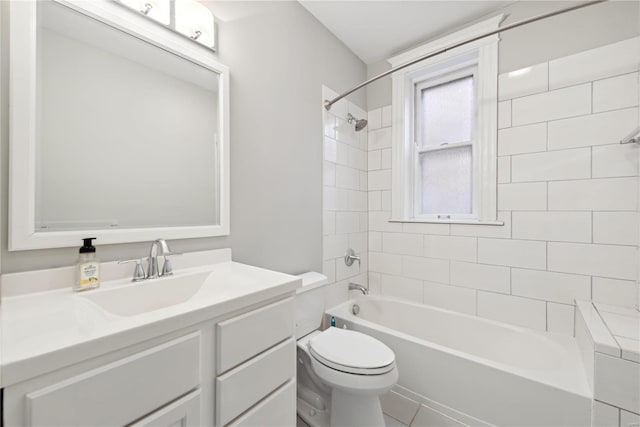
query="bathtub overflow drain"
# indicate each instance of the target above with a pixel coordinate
(355, 309)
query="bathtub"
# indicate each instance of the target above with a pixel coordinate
(474, 369)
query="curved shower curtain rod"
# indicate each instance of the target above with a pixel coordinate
(328, 103)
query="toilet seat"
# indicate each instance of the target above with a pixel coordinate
(351, 352)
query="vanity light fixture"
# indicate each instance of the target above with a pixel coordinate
(157, 10)
(194, 20)
(147, 9)
(189, 18)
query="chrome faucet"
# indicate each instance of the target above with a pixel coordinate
(356, 287)
(159, 247)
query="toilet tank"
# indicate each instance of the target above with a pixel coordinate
(311, 299)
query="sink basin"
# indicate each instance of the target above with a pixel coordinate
(149, 295)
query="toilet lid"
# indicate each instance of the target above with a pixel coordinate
(351, 351)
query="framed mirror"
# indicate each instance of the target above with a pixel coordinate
(119, 128)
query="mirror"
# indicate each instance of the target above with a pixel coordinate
(122, 124)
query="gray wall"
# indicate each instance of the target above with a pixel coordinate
(279, 56)
(552, 38)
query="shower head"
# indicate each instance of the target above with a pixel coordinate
(360, 123)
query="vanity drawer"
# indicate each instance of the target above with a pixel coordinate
(265, 326)
(277, 410)
(184, 412)
(244, 386)
(122, 391)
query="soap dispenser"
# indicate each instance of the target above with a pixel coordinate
(87, 268)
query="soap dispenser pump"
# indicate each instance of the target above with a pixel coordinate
(87, 272)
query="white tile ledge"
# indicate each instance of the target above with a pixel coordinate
(603, 341)
(448, 221)
(625, 311)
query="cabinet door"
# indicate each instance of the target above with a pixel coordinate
(184, 412)
(122, 391)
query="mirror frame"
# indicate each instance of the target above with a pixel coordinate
(22, 119)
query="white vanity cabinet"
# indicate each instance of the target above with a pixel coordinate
(238, 369)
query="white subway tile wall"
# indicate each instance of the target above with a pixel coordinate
(594, 64)
(591, 130)
(552, 165)
(616, 382)
(615, 93)
(604, 415)
(556, 104)
(552, 226)
(504, 114)
(614, 161)
(628, 419)
(525, 312)
(401, 287)
(525, 81)
(522, 139)
(522, 197)
(345, 206)
(450, 297)
(550, 286)
(567, 194)
(613, 291)
(560, 318)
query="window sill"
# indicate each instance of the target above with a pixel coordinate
(449, 221)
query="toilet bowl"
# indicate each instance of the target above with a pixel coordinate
(340, 373)
(351, 370)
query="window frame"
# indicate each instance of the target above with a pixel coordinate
(481, 56)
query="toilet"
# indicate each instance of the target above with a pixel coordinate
(341, 373)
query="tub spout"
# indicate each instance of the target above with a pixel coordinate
(356, 287)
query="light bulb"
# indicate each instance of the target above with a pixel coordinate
(158, 10)
(195, 20)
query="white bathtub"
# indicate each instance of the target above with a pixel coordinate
(490, 371)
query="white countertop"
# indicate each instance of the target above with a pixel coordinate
(45, 331)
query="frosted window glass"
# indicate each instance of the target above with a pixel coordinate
(445, 176)
(447, 111)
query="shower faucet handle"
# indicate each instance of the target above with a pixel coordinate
(350, 257)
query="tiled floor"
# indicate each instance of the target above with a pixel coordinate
(390, 422)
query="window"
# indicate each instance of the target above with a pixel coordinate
(444, 143)
(444, 146)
